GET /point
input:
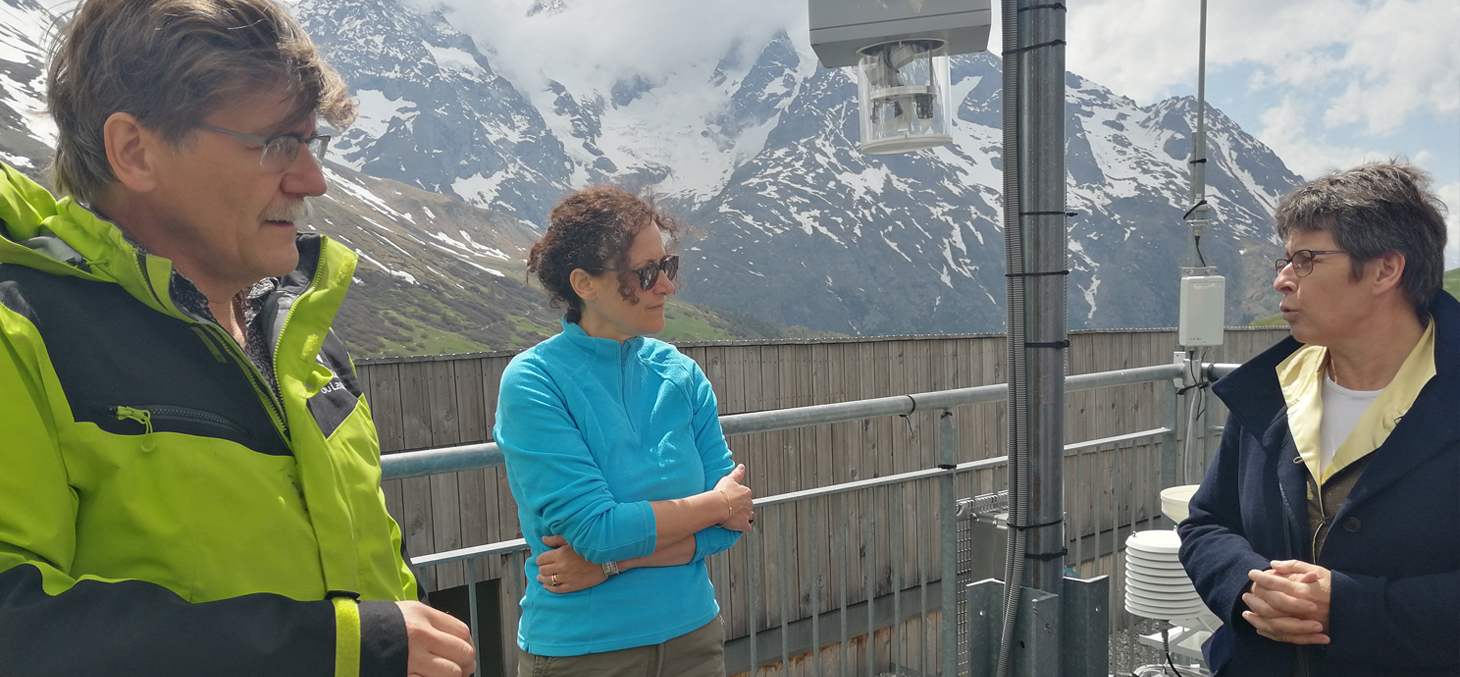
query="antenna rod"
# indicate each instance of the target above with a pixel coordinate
(1199, 144)
(1198, 215)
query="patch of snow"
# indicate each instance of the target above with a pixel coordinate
(376, 111)
(477, 189)
(402, 275)
(493, 271)
(451, 59)
(1089, 294)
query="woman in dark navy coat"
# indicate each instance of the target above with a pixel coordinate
(1326, 534)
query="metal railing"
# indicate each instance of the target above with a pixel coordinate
(1141, 460)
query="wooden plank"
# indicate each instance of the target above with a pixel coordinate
(416, 434)
(443, 417)
(779, 463)
(822, 375)
(806, 453)
(732, 365)
(888, 354)
(508, 524)
(385, 407)
(471, 424)
(381, 384)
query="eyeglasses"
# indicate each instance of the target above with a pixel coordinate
(649, 274)
(279, 151)
(1302, 260)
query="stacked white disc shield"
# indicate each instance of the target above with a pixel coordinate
(1156, 586)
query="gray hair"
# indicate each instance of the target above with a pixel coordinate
(1372, 210)
(171, 64)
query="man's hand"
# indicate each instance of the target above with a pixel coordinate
(1289, 603)
(740, 509)
(562, 569)
(440, 645)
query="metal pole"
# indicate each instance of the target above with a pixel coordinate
(471, 597)
(1200, 213)
(1043, 205)
(947, 524)
(1199, 144)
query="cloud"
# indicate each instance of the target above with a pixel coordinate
(1287, 127)
(594, 43)
(1390, 61)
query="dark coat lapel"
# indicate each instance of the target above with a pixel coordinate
(1434, 422)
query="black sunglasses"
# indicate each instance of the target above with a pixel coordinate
(649, 274)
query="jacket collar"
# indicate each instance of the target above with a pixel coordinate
(599, 346)
(62, 237)
(1254, 397)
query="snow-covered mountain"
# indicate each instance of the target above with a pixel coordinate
(757, 148)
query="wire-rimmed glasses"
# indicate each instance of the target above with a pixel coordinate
(278, 152)
(1302, 260)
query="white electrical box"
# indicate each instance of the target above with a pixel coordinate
(1203, 311)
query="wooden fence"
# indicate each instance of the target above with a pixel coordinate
(445, 400)
(424, 402)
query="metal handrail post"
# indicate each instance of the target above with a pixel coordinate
(948, 527)
(1170, 419)
(471, 603)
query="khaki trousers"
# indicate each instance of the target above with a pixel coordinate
(700, 653)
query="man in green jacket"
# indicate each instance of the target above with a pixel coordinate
(189, 474)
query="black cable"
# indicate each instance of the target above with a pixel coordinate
(1166, 646)
(1173, 665)
(1040, 274)
(1051, 43)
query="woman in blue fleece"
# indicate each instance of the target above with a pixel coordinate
(615, 456)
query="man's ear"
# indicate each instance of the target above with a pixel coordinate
(1388, 270)
(132, 150)
(583, 284)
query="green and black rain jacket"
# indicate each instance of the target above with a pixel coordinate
(162, 510)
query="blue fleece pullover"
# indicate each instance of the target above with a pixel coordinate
(593, 430)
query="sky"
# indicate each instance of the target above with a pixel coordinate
(1327, 84)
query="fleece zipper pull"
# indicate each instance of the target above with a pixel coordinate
(142, 416)
(139, 415)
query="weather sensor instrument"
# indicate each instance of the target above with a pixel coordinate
(900, 49)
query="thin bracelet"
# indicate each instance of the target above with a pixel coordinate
(727, 504)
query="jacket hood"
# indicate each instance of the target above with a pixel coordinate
(61, 237)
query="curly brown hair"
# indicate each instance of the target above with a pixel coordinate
(593, 229)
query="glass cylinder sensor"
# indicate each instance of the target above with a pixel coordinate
(903, 86)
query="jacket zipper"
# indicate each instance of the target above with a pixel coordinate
(261, 389)
(139, 415)
(149, 413)
(284, 326)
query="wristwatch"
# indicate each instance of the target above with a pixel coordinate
(610, 568)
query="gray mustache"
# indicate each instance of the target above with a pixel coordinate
(295, 212)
